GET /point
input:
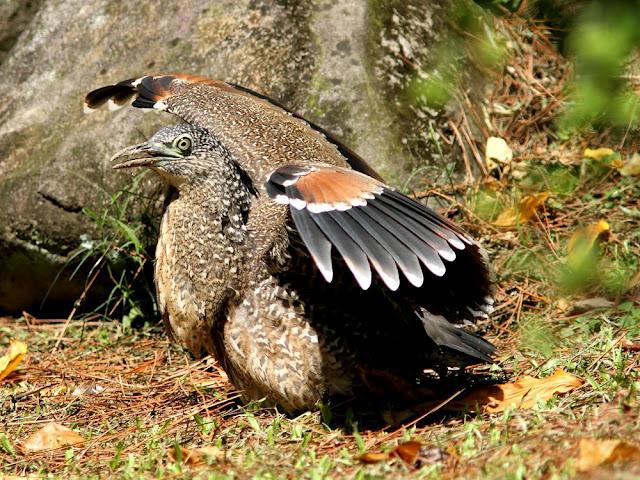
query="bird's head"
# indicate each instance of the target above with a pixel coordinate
(180, 154)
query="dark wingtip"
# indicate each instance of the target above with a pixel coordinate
(447, 335)
(119, 93)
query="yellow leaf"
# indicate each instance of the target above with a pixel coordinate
(52, 435)
(498, 150)
(10, 360)
(523, 212)
(632, 167)
(594, 453)
(523, 393)
(597, 153)
(585, 238)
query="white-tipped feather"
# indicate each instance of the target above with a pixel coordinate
(160, 105)
(327, 273)
(320, 207)
(448, 255)
(113, 106)
(415, 280)
(437, 269)
(455, 242)
(282, 199)
(297, 203)
(392, 283)
(363, 277)
(288, 183)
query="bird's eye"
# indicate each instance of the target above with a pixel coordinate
(183, 143)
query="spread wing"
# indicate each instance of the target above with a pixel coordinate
(372, 225)
(367, 222)
(193, 99)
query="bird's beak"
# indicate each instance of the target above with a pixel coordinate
(143, 155)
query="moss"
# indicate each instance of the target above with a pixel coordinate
(413, 46)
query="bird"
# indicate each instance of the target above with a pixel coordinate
(287, 258)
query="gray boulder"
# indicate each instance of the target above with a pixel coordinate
(344, 64)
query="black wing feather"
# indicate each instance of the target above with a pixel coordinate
(382, 261)
(447, 335)
(351, 252)
(403, 256)
(423, 232)
(314, 239)
(427, 255)
(451, 230)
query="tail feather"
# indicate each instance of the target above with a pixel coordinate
(448, 335)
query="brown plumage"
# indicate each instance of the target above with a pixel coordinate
(286, 257)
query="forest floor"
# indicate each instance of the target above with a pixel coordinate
(562, 224)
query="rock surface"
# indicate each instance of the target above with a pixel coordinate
(344, 64)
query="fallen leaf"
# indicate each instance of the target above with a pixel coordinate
(562, 305)
(597, 153)
(497, 150)
(523, 393)
(523, 212)
(411, 452)
(52, 435)
(630, 345)
(408, 451)
(198, 456)
(416, 455)
(373, 457)
(585, 238)
(631, 167)
(10, 360)
(594, 453)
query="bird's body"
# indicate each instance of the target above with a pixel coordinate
(245, 268)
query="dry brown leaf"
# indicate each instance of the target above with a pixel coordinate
(10, 360)
(523, 393)
(52, 435)
(373, 457)
(523, 212)
(413, 453)
(594, 453)
(585, 238)
(196, 457)
(408, 451)
(597, 153)
(630, 345)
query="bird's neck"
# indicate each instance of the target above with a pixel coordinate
(200, 259)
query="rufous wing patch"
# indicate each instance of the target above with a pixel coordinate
(336, 186)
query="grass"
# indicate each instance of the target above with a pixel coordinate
(144, 406)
